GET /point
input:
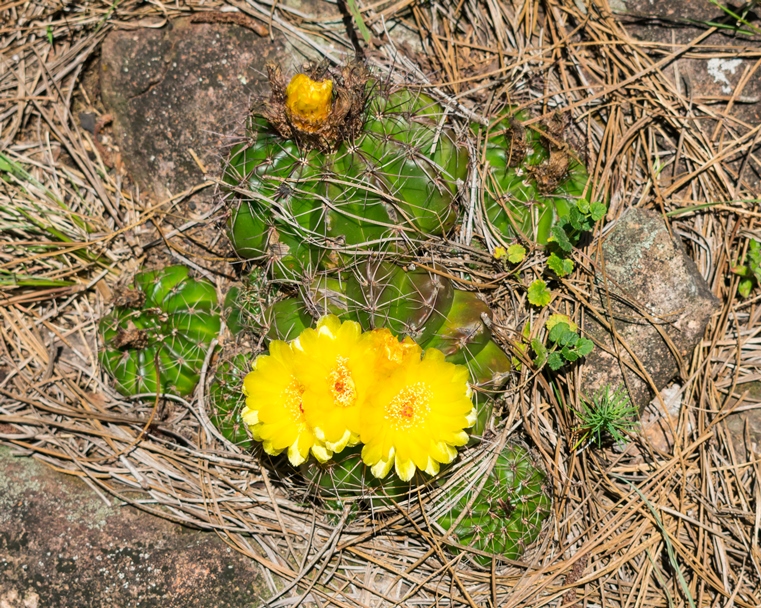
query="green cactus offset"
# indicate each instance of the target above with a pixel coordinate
(508, 513)
(155, 339)
(532, 181)
(226, 399)
(337, 166)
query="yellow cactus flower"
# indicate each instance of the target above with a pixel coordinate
(390, 352)
(417, 417)
(274, 407)
(337, 369)
(308, 102)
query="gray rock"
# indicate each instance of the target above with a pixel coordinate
(62, 546)
(650, 290)
(180, 91)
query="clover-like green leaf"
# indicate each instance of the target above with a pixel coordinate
(560, 266)
(538, 294)
(516, 253)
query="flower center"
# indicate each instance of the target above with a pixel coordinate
(308, 102)
(292, 398)
(410, 407)
(341, 384)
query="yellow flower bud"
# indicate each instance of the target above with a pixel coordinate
(308, 102)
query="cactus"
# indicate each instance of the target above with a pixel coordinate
(416, 303)
(226, 399)
(410, 303)
(532, 180)
(465, 330)
(156, 338)
(245, 302)
(325, 175)
(346, 480)
(507, 515)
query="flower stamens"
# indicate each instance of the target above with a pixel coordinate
(341, 384)
(292, 396)
(410, 407)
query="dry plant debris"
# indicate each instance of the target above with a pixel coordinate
(678, 528)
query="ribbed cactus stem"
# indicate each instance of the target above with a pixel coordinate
(507, 515)
(155, 341)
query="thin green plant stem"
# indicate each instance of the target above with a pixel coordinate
(739, 18)
(669, 548)
(363, 29)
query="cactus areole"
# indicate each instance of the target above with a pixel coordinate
(338, 165)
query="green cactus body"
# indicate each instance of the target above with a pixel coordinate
(464, 332)
(328, 296)
(226, 400)
(159, 343)
(410, 303)
(488, 373)
(298, 209)
(507, 515)
(489, 366)
(347, 480)
(518, 202)
(286, 319)
(245, 304)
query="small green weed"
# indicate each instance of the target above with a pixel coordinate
(750, 272)
(565, 345)
(609, 416)
(580, 219)
(538, 294)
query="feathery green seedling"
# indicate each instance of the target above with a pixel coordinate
(609, 415)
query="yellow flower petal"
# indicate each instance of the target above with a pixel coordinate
(417, 416)
(274, 405)
(337, 369)
(405, 469)
(308, 102)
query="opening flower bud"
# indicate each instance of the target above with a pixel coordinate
(308, 102)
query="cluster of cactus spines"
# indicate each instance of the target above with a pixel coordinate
(299, 209)
(379, 294)
(346, 480)
(508, 513)
(409, 302)
(155, 339)
(531, 179)
(226, 399)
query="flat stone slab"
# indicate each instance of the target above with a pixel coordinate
(177, 95)
(650, 291)
(62, 546)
